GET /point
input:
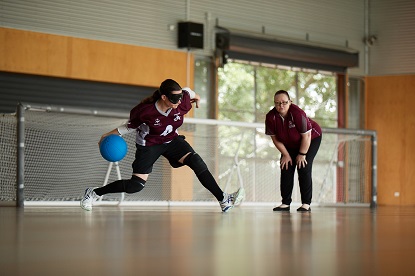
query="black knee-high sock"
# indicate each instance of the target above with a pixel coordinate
(114, 187)
(130, 186)
(209, 182)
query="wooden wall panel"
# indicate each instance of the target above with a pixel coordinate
(389, 111)
(407, 84)
(33, 53)
(69, 57)
(408, 191)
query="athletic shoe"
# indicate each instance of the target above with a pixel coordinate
(231, 200)
(89, 198)
(239, 195)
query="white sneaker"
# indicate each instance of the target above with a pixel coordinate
(231, 200)
(89, 198)
(239, 196)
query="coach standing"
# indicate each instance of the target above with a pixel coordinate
(298, 138)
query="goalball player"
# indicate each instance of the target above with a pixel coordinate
(155, 121)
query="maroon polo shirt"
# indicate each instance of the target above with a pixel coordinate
(288, 131)
(153, 126)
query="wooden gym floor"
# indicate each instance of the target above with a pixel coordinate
(197, 241)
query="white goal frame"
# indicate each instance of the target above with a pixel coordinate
(232, 170)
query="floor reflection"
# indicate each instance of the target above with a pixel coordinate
(204, 241)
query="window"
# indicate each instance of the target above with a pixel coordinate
(246, 91)
(356, 101)
(202, 85)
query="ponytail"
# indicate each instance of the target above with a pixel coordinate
(153, 98)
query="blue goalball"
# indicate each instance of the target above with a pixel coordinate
(113, 148)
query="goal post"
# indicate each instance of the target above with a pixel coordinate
(344, 139)
(50, 155)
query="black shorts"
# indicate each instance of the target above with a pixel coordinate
(145, 157)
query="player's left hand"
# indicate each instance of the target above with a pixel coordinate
(195, 100)
(301, 161)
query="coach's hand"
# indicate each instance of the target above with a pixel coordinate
(285, 160)
(301, 161)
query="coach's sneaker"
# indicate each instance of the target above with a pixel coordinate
(89, 197)
(231, 200)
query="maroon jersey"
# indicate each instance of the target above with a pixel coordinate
(154, 126)
(288, 131)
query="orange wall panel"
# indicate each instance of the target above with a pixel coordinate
(389, 111)
(33, 53)
(69, 57)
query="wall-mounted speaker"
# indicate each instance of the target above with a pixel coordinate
(222, 40)
(190, 35)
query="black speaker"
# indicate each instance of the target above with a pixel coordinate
(190, 35)
(222, 40)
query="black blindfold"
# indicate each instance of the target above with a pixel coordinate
(175, 98)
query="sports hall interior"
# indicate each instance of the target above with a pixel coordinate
(135, 43)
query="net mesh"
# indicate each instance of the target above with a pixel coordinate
(62, 159)
(8, 157)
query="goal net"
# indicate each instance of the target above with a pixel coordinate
(60, 159)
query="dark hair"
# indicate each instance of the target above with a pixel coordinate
(166, 87)
(279, 92)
